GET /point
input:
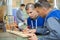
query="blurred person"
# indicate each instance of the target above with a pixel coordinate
(20, 17)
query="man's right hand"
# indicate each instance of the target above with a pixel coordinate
(32, 37)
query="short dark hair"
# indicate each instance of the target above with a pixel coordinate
(22, 5)
(29, 5)
(43, 4)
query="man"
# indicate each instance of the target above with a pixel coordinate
(34, 21)
(19, 16)
(52, 21)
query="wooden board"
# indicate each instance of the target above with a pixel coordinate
(17, 33)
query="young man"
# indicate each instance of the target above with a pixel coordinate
(34, 21)
(52, 21)
(19, 16)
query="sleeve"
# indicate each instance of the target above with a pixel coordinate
(53, 24)
(42, 31)
(54, 27)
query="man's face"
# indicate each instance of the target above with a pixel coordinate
(32, 13)
(41, 11)
(22, 7)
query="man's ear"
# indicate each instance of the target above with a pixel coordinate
(36, 8)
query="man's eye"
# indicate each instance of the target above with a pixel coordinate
(30, 12)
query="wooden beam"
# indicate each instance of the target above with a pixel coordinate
(17, 33)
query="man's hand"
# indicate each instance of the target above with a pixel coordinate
(32, 31)
(32, 37)
(25, 31)
(29, 30)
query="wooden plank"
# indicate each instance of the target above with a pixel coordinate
(18, 33)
